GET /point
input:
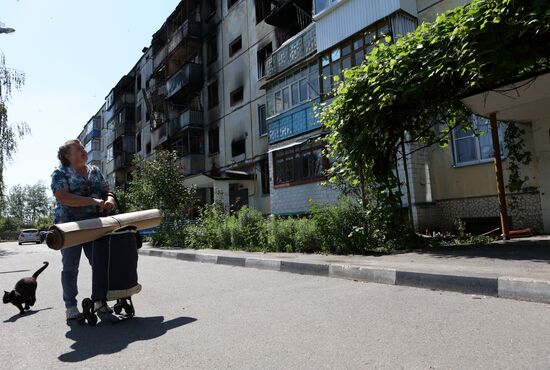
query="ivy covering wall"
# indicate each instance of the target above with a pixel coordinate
(410, 91)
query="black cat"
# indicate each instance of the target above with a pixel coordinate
(24, 292)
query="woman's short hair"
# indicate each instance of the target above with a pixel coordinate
(64, 150)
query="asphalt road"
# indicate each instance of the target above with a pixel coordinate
(202, 316)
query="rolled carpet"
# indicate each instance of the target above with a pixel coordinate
(61, 236)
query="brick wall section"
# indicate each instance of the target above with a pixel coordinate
(525, 210)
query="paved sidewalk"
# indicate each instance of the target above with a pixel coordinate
(518, 269)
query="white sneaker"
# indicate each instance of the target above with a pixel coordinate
(72, 313)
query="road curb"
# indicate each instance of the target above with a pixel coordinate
(524, 289)
(495, 286)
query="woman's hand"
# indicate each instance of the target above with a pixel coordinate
(109, 204)
(98, 202)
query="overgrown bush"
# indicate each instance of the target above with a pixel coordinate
(341, 228)
(9, 224)
(249, 230)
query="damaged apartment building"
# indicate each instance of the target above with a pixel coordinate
(233, 87)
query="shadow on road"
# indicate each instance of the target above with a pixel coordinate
(18, 316)
(12, 272)
(107, 339)
(515, 250)
(5, 253)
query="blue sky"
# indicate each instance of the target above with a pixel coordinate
(72, 52)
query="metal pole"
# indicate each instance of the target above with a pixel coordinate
(407, 183)
(500, 178)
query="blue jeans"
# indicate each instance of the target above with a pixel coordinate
(71, 260)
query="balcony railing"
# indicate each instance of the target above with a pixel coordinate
(186, 119)
(189, 77)
(123, 160)
(292, 51)
(124, 128)
(160, 57)
(188, 30)
(94, 155)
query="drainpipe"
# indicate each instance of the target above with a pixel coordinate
(500, 178)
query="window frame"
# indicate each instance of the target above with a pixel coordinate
(213, 97)
(328, 58)
(212, 49)
(454, 139)
(214, 137)
(262, 120)
(289, 157)
(262, 56)
(232, 45)
(234, 101)
(262, 13)
(301, 77)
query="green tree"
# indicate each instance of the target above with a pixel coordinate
(9, 224)
(16, 203)
(28, 203)
(37, 201)
(409, 92)
(10, 134)
(43, 223)
(158, 183)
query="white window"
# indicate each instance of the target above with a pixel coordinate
(293, 90)
(109, 154)
(476, 145)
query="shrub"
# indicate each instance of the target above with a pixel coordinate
(282, 234)
(248, 230)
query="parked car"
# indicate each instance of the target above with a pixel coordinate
(43, 235)
(29, 236)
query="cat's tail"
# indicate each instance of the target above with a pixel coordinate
(39, 271)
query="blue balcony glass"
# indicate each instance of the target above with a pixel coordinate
(296, 121)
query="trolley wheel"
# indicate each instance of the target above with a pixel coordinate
(128, 307)
(118, 307)
(88, 312)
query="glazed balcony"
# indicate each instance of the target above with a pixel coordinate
(292, 51)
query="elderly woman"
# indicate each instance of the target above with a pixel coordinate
(82, 193)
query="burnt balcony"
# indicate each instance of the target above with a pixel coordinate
(123, 160)
(186, 81)
(124, 129)
(190, 118)
(189, 31)
(292, 51)
(160, 57)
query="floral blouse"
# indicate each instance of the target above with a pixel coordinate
(94, 186)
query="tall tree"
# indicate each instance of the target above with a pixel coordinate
(16, 202)
(37, 201)
(28, 203)
(10, 134)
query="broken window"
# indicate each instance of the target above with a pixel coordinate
(236, 96)
(238, 147)
(263, 8)
(214, 140)
(263, 55)
(213, 97)
(235, 46)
